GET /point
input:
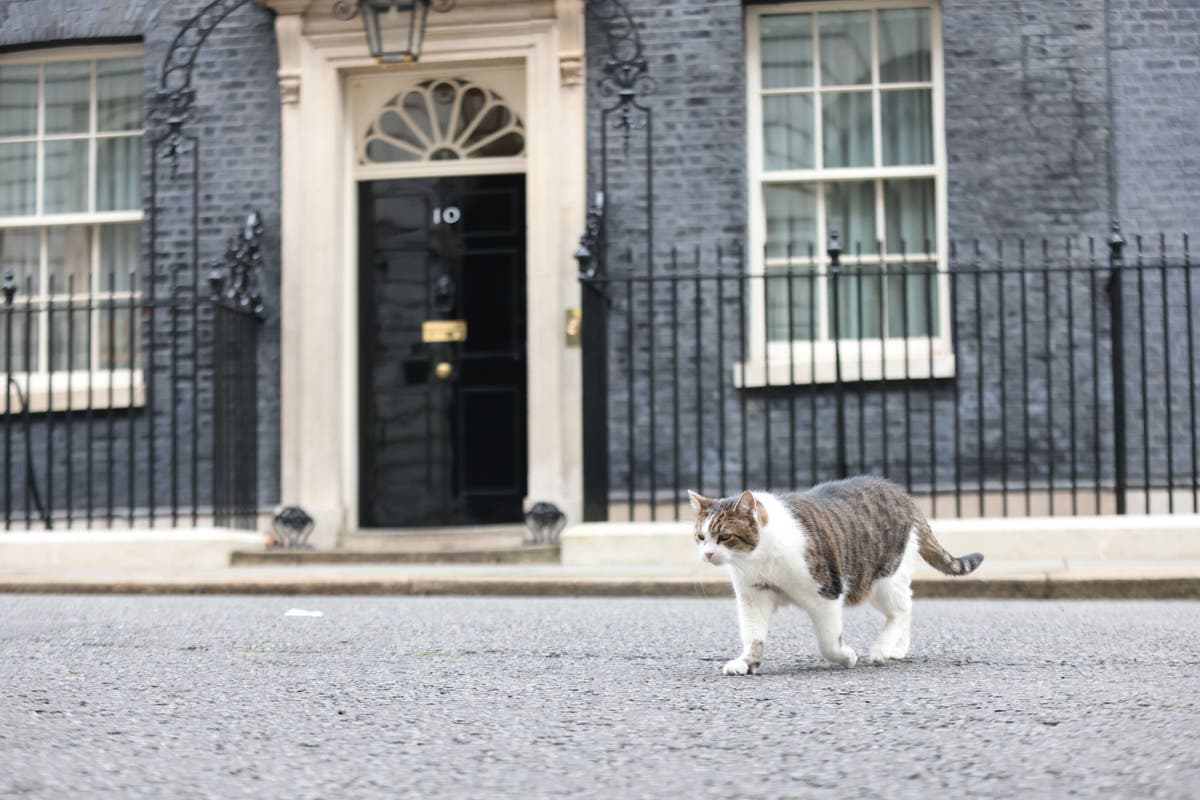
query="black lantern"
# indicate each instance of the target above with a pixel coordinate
(395, 28)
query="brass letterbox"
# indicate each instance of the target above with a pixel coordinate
(444, 330)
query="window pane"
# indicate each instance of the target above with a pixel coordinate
(378, 150)
(912, 299)
(907, 126)
(15, 354)
(113, 320)
(846, 129)
(120, 255)
(66, 177)
(118, 174)
(119, 94)
(68, 329)
(911, 215)
(68, 255)
(855, 296)
(510, 144)
(68, 94)
(788, 132)
(787, 50)
(417, 112)
(397, 127)
(444, 95)
(850, 210)
(845, 48)
(791, 212)
(904, 45)
(18, 100)
(18, 181)
(492, 121)
(20, 251)
(800, 323)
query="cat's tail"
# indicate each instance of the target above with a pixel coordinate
(937, 556)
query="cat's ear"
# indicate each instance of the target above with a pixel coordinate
(749, 505)
(699, 502)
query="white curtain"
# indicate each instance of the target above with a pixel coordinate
(118, 174)
(865, 303)
(17, 178)
(19, 251)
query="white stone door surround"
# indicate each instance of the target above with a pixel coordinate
(321, 59)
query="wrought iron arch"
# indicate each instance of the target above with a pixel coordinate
(174, 104)
(626, 72)
(216, 340)
(625, 79)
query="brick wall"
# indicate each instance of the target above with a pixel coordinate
(237, 124)
(1026, 118)
(1028, 135)
(1156, 71)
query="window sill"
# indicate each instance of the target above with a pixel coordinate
(799, 366)
(46, 393)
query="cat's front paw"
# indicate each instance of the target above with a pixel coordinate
(847, 658)
(736, 667)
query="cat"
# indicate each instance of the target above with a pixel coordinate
(838, 544)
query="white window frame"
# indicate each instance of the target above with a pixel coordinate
(103, 388)
(882, 358)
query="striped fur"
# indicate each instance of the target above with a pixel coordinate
(857, 531)
(837, 544)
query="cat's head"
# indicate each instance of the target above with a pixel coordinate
(727, 528)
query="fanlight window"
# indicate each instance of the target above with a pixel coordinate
(443, 120)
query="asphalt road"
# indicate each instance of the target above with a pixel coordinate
(224, 697)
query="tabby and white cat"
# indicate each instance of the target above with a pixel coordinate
(836, 545)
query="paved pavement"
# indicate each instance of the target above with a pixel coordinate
(1113, 579)
(182, 697)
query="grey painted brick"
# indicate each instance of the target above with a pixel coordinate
(1155, 76)
(237, 123)
(1028, 136)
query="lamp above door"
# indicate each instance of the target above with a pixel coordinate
(395, 28)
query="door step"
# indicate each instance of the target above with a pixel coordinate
(532, 554)
(431, 540)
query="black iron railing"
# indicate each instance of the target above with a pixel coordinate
(121, 410)
(1021, 378)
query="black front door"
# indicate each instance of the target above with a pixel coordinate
(442, 351)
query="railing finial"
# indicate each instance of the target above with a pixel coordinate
(834, 249)
(9, 287)
(1116, 242)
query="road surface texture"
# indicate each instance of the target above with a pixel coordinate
(224, 697)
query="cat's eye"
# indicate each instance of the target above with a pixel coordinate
(722, 538)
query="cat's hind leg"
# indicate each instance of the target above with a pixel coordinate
(893, 597)
(827, 624)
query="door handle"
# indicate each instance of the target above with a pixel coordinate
(444, 370)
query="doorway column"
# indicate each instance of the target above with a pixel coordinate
(309, 312)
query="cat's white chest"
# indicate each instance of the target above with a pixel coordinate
(779, 564)
(778, 579)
